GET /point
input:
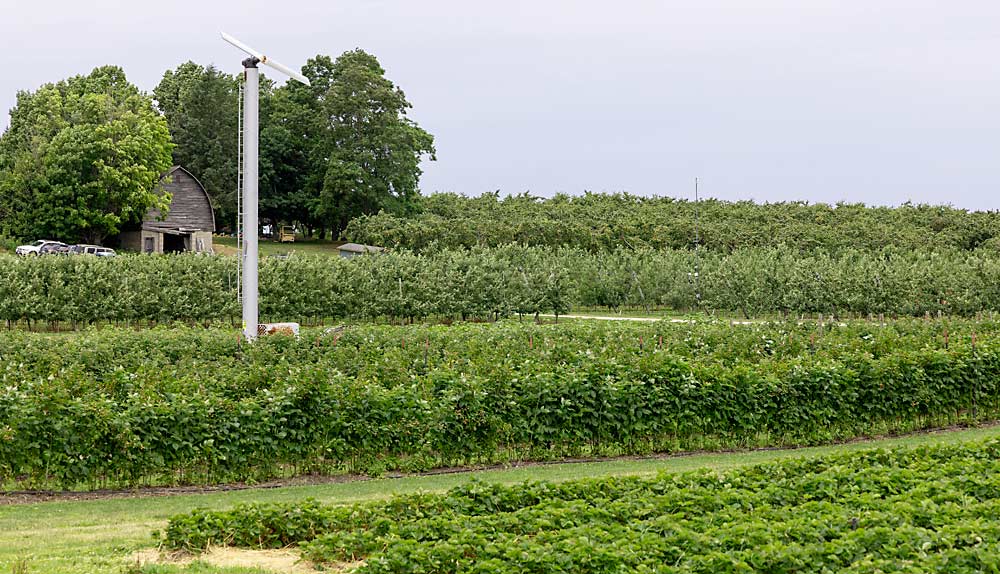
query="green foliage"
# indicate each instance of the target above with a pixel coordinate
(292, 160)
(914, 510)
(81, 158)
(491, 283)
(83, 290)
(604, 222)
(339, 148)
(200, 106)
(374, 150)
(166, 405)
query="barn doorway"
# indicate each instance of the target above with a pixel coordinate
(173, 243)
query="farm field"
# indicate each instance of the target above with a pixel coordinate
(605, 222)
(925, 509)
(485, 284)
(179, 405)
(91, 536)
(634, 351)
(117, 407)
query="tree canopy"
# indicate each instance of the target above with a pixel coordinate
(329, 152)
(372, 150)
(607, 222)
(200, 106)
(81, 158)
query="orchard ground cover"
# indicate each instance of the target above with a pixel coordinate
(109, 407)
(225, 245)
(98, 536)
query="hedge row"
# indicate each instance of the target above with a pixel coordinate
(500, 282)
(515, 392)
(606, 222)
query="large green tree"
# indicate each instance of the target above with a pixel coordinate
(81, 158)
(372, 150)
(201, 108)
(291, 146)
(340, 147)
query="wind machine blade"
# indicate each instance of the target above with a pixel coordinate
(250, 51)
(285, 70)
(265, 60)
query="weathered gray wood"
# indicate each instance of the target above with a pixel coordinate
(190, 206)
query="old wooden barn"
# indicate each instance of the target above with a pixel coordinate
(188, 225)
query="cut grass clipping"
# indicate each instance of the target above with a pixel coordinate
(928, 509)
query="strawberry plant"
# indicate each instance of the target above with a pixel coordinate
(923, 509)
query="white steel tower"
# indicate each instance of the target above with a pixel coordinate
(250, 163)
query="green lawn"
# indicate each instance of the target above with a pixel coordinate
(100, 536)
(227, 246)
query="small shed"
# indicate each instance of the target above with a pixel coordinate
(189, 222)
(349, 250)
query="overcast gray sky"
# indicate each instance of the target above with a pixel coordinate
(880, 101)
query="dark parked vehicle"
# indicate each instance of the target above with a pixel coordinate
(54, 248)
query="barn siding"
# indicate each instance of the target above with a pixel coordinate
(189, 208)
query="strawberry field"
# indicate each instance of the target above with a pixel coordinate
(182, 405)
(930, 509)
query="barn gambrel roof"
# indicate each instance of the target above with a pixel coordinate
(190, 207)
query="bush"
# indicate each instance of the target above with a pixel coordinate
(190, 405)
(499, 282)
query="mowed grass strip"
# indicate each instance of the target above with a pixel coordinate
(93, 536)
(266, 247)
